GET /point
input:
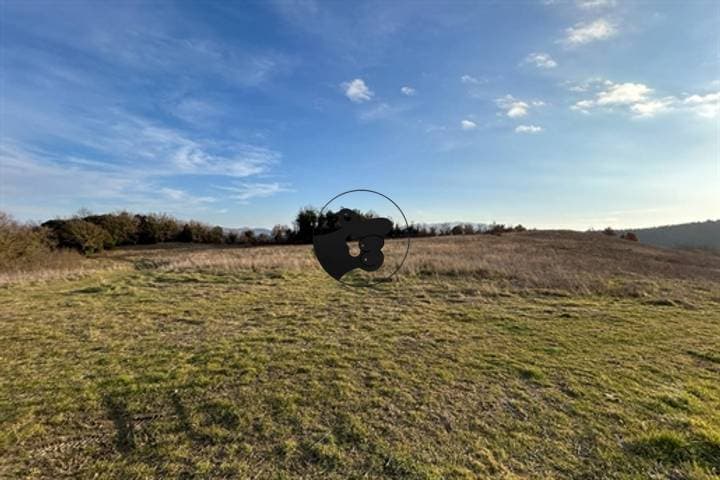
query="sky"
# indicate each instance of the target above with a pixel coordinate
(553, 114)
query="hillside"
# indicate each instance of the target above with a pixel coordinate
(528, 355)
(697, 235)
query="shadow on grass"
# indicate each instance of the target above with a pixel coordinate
(186, 425)
(118, 413)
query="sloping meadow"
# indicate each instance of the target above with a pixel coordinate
(533, 355)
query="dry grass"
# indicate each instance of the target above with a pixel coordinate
(196, 362)
(562, 261)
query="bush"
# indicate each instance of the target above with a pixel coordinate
(21, 246)
(629, 236)
(80, 235)
(496, 229)
(197, 232)
(609, 232)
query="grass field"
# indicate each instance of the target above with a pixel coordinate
(533, 355)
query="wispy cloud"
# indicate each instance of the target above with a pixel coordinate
(357, 91)
(408, 91)
(469, 79)
(468, 125)
(592, 4)
(247, 191)
(541, 60)
(528, 129)
(184, 197)
(583, 33)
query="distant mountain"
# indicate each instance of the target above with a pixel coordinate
(448, 225)
(256, 231)
(697, 234)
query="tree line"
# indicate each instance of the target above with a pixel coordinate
(90, 233)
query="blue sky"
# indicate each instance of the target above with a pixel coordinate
(552, 114)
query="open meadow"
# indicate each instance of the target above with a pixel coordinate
(526, 355)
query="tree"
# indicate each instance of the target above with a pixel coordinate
(281, 234)
(157, 228)
(609, 232)
(215, 235)
(249, 237)
(80, 235)
(122, 227)
(231, 237)
(305, 223)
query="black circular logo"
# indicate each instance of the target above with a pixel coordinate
(350, 233)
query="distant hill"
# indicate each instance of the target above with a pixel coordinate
(256, 231)
(697, 234)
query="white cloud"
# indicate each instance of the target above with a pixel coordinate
(707, 106)
(634, 98)
(408, 91)
(246, 191)
(516, 108)
(468, 125)
(651, 108)
(583, 33)
(638, 100)
(357, 91)
(469, 79)
(588, 4)
(528, 129)
(583, 106)
(623, 94)
(541, 60)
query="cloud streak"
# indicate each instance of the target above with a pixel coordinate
(528, 129)
(243, 192)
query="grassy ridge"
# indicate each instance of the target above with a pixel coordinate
(198, 364)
